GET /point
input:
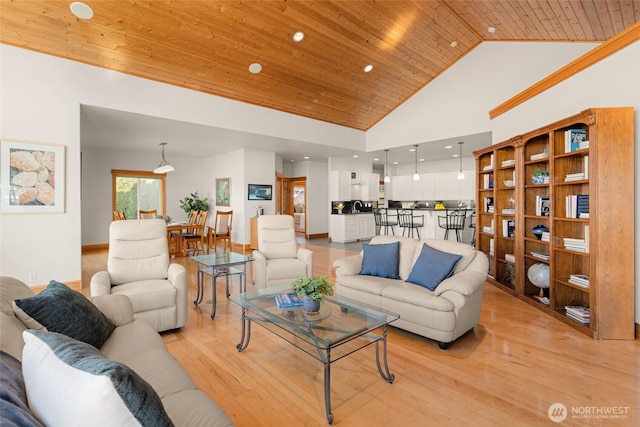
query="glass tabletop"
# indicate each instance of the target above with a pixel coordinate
(339, 320)
(222, 259)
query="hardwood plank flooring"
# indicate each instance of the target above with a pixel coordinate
(507, 372)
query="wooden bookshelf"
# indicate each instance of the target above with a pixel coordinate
(607, 253)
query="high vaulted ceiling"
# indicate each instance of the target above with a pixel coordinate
(208, 45)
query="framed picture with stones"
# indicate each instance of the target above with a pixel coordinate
(32, 177)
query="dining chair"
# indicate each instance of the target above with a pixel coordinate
(119, 216)
(409, 222)
(147, 214)
(221, 229)
(453, 220)
(194, 238)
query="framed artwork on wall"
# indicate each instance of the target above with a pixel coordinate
(32, 177)
(223, 192)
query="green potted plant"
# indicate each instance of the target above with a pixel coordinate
(194, 203)
(312, 291)
(538, 176)
(510, 274)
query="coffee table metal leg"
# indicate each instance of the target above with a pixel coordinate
(246, 331)
(199, 291)
(384, 368)
(214, 277)
(327, 386)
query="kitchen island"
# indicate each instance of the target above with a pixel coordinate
(430, 228)
(351, 227)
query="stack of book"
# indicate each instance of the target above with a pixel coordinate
(542, 255)
(508, 210)
(577, 206)
(578, 245)
(542, 205)
(489, 166)
(545, 236)
(581, 280)
(575, 139)
(574, 176)
(508, 162)
(488, 204)
(510, 257)
(288, 300)
(578, 313)
(488, 181)
(508, 227)
(539, 156)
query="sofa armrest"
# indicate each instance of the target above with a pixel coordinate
(348, 266)
(307, 256)
(464, 283)
(177, 276)
(117, 307)
(100, 284)
(259, 269)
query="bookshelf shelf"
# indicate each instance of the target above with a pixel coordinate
(582, 173)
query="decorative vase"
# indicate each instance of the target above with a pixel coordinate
(538, 230)
(309, 305)
(537, 179)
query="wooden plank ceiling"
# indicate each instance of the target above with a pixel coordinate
(208, 45)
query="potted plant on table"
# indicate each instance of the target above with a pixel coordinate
(312, 291)
(194, 203)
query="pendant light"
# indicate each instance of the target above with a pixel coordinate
(164, 166)
(416, 177)
(387, 178)
(460, 174)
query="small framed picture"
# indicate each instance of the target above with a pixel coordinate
(32, 177)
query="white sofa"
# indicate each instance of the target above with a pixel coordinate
(444, 314)
(133, 343)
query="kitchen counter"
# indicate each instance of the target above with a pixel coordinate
(353, 213)
(431, 229)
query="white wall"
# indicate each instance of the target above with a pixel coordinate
(458, 101)
(40, 101)
(614, 82)
(96, 186)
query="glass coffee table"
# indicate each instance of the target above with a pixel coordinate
(340, 328)
(220, 264)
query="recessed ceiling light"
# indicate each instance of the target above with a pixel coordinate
(81, 10)
(455, 155)
(298, 36)
(412, 149)
(491, 30)
(306, 157)
(422, 160)
(376, 159)
(355, 156)
(368, 68)
(448, 147)
(395, 163)
(255, 68)
(292, 160)
(454, 43)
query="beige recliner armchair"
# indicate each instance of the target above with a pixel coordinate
(138, 267)
(278, 260)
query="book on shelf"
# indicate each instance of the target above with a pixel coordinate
(487, 229)
(578, 176)
(585, 166)
(578, 310)
(583, 320)
(581, 280)
(576, 204)
(545, 236)
(488, 181)
(508, 211)
(508, 227)
(510, 257)
(539, 156)
(542, 255)
(508, 162)
(491, 246)
(543, 205)
(288, 300)
(487, 168)
(488, 204)
(573, 139)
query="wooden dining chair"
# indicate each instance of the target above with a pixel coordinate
(221, 229)
(119, 216)
(147, 214)
(194, 238)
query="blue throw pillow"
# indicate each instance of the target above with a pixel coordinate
(432, 267)
(71, 383)
(61, 309)
(381, 260)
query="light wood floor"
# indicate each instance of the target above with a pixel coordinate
(507, 372)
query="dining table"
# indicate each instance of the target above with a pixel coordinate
(175, 230)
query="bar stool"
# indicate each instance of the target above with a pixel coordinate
(382, 221)
(454, 220)
(409, 222)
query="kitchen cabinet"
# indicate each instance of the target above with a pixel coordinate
(351, 228)
(340, 186)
